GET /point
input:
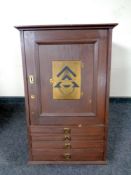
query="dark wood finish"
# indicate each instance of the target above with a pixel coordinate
(82, 144)
(60, 137)
(67, 26)
(69, 162)
(76, 154)
(26, 92)
(85, 130)
(86, 120)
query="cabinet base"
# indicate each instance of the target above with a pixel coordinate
(69, 162)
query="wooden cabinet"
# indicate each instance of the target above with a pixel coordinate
(66, 77)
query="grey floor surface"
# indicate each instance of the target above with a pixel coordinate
(13, 147)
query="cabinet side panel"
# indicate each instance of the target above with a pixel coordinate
(26, 91)
(108, 69)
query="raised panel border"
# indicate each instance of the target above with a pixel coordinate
(55, 42)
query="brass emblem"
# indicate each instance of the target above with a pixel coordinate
(66, 79)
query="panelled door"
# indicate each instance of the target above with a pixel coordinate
(66, 76)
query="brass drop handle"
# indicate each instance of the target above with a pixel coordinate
(67, 145)
(67, 130)
(67, 156)
(67, 137)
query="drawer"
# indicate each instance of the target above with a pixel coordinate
(72, 130)
(72, 155)
(60, 137)
(83, 144)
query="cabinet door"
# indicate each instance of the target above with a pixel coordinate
(66, 76)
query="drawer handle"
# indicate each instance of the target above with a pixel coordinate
(67, 145)
(67, 130)
(67, 137)
(67, 156)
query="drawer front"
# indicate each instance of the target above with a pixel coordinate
(61, 137)
(61, 155)
(72, 130)
(63, 143)
(97, 145)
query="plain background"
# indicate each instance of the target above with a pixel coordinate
(29, 12)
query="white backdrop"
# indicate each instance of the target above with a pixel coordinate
(29, 12)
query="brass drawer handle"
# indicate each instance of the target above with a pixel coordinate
(67, 137)
(67, 156)
(67, 130)
(67, 145)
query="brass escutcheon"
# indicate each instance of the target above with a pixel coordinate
(31, 79)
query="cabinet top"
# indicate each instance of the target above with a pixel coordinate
(67, 27)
